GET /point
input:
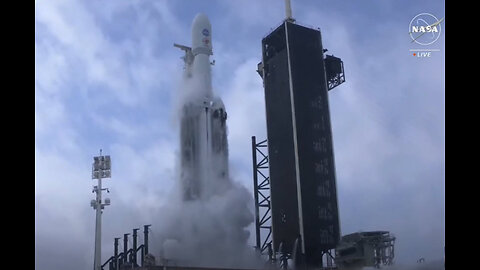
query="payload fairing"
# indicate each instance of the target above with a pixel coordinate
(203, 134)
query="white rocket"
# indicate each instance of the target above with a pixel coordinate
(204, 147)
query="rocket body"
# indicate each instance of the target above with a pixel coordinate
(204, 147)
(201, 51)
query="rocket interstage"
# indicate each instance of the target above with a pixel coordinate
(203, 132)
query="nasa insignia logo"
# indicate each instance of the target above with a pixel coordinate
(425, 29)
(205, 32)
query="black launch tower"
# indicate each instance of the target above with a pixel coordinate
(297, 77)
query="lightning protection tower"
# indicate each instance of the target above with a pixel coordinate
(101, 168)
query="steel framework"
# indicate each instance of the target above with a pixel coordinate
(129, 256)
(366, 249)
(328, 260)
(334, 71)
(262, 197)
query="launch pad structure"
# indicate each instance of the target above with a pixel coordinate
(294, 177)
(303, 206)
(366, 249)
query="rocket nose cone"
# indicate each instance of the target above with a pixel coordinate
(201, 32)
(201, 19)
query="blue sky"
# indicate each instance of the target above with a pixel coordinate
(105, 77)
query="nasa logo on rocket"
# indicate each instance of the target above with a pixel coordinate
(206, 33)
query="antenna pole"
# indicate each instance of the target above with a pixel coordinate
(288, 10)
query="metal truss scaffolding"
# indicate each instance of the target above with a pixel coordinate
(261, 185)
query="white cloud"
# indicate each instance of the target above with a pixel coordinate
(251, 13)
(245, 105)
(129, 70)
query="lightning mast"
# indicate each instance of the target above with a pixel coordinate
(101, 168)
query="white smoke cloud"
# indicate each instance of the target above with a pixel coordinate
(211, 230)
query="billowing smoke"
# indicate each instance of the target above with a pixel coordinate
(207, 232)
(211, 229)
